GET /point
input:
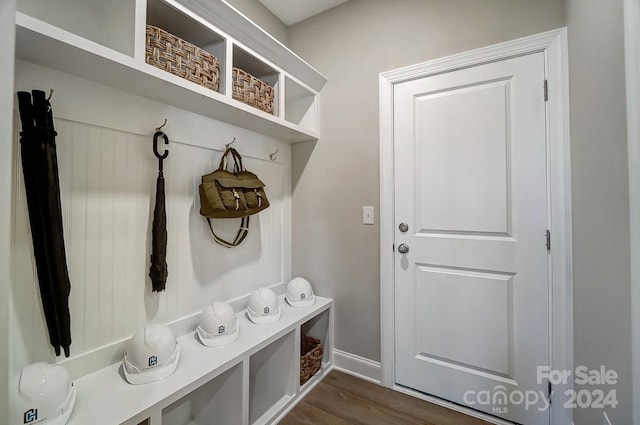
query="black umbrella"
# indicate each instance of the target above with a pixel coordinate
(42, 187)
(158, 270)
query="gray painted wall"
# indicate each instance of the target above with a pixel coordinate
(602, 317)
(351, 44)
(263, 17)
(334, 178)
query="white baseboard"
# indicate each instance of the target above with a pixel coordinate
(357, 366)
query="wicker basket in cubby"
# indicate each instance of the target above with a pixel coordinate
(252, 91)
(310, 357)
(181, 58)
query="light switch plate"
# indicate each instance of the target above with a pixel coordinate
(367, 215)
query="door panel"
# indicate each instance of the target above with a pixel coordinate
(469, 155)
(454, 293)
(472, 293)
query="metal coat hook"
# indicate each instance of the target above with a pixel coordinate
(230, 143)
(272, 156)
(155, 147)
(163, 124)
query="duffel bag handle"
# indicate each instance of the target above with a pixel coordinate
(237, 160)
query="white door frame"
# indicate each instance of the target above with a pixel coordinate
(632, 60)
(554, 46)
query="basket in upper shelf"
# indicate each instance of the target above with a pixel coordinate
(252, 91)
(181, 58)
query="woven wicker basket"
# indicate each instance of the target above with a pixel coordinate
(310, 357)
(252, 91)
(181, 58)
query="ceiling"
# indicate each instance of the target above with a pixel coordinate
(293, 11)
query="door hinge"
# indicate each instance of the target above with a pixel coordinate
(548, 242)
(546, 90)
(393, 247)
(549, 393)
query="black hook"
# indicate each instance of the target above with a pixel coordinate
(231, 143)
(155, 148)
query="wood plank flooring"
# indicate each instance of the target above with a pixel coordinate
(341, 399)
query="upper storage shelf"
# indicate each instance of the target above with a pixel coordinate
(104, 41)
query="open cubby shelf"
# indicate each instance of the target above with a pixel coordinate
(78, 37)
(248, 382)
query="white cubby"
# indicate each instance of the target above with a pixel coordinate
(300, 104)
(182, 24)
(220, 398)
(251, 381)
(259, 69)
(103, 41)
(319, 327)
(93, 20)
(271, 379)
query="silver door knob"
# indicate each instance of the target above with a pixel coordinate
(403, 248)
(403, 227)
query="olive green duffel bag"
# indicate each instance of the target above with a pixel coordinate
(232, 194)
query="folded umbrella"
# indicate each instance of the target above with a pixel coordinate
(158, 270)
(42, 188)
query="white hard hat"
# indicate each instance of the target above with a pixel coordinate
(217, 325)
(299, 293)
(152, 354)
(263, 306)
(46, 395)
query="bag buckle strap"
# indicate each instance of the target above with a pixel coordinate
(259, 195)
(237, 196)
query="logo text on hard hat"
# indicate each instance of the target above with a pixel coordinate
(302, 296)
(220, 329)
(153, 360)
(30, 416)
(266, 310)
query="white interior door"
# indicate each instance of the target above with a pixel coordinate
(472, 292)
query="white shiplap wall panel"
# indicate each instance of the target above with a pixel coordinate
(107, 180)
(30, 328)
(107, 175)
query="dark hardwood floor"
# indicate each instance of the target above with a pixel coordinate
(342, 399)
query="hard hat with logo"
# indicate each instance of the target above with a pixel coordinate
(152, 354)
(299, 293)
(263, 306)
(217, 325)
(46, 395)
